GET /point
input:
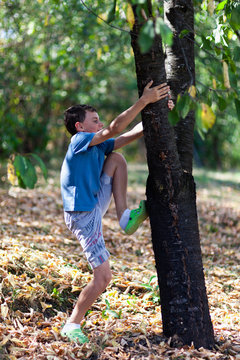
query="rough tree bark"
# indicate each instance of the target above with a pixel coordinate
(171, 199)
(180, 69)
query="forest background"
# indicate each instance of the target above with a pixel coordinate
(58, 53)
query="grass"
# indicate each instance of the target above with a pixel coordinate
(205, 177)
(222, 186)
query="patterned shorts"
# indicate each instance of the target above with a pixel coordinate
(87, 225)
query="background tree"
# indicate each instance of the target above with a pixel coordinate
(51, 60)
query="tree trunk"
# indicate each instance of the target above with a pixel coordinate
(180, 68)
(171, 201)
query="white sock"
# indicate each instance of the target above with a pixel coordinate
(70, 326)
(124, 218)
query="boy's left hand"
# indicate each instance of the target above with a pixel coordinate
(170, 104)
(154, 94)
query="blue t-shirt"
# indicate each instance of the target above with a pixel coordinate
(81, 171)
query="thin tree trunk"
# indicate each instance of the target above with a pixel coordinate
(171, 201)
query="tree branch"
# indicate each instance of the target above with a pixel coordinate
(99, 17)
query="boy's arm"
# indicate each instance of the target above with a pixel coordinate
(135, 133)
(150, 95)
(129, 136)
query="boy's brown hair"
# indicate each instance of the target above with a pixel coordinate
(76, 113)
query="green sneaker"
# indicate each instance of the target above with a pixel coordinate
(136, 217)
(76, 335)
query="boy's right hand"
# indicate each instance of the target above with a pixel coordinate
(156, 93)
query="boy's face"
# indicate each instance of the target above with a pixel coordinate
(91, 123)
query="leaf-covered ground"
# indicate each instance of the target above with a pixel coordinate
(42, 271)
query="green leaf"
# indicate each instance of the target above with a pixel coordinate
(113, 313)
(21, 183)
(234, 20)
(222, 104)
(162, 29)
(30, 177)
(186, 107)
(151, 278)
(138, 2)
(237, 105)
(20, 170)
(183, 105)
(173, 116)
(111, 14)
(108, 303)
(25, 172)
(183, 33)
(236, 53)
(19, 164)
(110, 312)
(147, 286)
(221, 5)
(146, 37)
(198, 116)
(206, 43)
(41, 165)
(217, 50)
(104, 316)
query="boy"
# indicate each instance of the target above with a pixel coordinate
(87, 183)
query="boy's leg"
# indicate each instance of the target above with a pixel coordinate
(115, 166)
(101, 278)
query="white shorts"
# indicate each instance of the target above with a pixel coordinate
(87, 225)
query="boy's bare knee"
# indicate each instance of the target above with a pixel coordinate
(118, 159)
(114, 161)
(121, 158)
